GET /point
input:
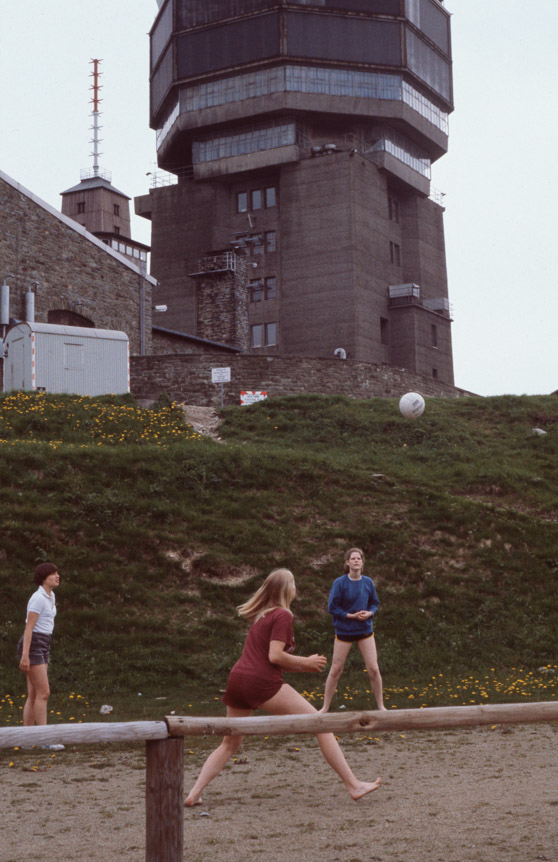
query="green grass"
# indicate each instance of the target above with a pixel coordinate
(159, 534)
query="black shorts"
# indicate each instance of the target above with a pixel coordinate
(349, 639)
(39, 649)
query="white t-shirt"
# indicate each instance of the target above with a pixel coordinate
(44, 605)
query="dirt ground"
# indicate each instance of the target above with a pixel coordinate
(479, 795)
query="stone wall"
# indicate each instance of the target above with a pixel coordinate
(73, 270)
(187, 378)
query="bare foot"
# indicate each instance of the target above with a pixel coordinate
(191, 801)
(364, 788)
(323, 710)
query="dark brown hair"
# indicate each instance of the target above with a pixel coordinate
(42, 572)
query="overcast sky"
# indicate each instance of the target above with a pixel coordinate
(499, 177)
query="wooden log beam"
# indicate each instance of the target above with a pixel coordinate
(164, 800)
(86, 733)
(366, 722)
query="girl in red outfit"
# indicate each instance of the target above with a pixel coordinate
(256, 681)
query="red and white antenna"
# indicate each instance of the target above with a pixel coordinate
(96, 101)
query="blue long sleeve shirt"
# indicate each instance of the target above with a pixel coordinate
(347, 597)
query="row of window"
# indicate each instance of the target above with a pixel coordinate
(256, 199)
(127, 249)
(81, 208)
(252, 141)
(263, 288)
(307, 79)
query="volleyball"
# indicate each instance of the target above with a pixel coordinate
(412, 405)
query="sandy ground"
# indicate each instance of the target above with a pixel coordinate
(479, 795)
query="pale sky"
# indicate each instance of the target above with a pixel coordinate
(499, 177)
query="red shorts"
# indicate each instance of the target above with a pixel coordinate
(245, 691)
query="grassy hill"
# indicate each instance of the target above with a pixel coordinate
(159, 533)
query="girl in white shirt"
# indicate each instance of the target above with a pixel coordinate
(33, 647)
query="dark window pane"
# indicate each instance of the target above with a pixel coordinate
(242, 202)
(270, 197)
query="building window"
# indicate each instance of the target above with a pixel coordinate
(116, 209)
(116, 229)
(256, 290)
(271, 241)
(395, 253)
(81, 207)
(257, 199)
(435, 373)
(271, 287)
(256, 335)
(263, 335)
(393, 210)
(384, 331)
(434, 335)
(242, 202)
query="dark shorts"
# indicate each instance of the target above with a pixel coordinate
(39, 649)
(349, 639)
(249, 692)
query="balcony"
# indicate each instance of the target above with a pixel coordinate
(401, 295)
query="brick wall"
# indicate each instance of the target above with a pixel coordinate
(74, 271)
(187, 378)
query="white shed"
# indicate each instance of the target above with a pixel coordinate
(72, 359)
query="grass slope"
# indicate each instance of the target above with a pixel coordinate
(159, 533)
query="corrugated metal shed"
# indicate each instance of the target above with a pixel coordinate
(72, 359)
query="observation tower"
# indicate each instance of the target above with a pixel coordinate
(300, 134)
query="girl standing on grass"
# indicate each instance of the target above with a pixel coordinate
(256, 681)
(352, 604)
(34, 646)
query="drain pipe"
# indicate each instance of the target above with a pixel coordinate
(5, 305)
(30, 304)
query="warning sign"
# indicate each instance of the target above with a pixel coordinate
(251, 396)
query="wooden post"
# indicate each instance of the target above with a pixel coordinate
(164, 800)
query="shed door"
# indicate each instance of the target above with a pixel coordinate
(74, 367)
(15, 378)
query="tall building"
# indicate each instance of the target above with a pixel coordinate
(301, 134)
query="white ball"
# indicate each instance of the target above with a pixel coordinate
(412, 405)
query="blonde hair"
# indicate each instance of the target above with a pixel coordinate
(348, 554)
(276, 591)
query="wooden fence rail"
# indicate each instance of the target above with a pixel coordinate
(165, 747)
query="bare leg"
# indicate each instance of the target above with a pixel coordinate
(38, 691)
(340, 652)
(217, 759)
(287, 701)
(368, 650)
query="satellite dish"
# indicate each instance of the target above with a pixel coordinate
(340, 353)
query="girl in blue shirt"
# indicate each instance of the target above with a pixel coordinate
(352, 605)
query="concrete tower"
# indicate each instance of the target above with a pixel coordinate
(301, 134)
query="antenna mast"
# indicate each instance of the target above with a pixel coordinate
(95, 101)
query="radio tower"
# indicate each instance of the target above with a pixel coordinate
(95, 203)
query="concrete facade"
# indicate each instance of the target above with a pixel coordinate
(75, 278)
(304, 140)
